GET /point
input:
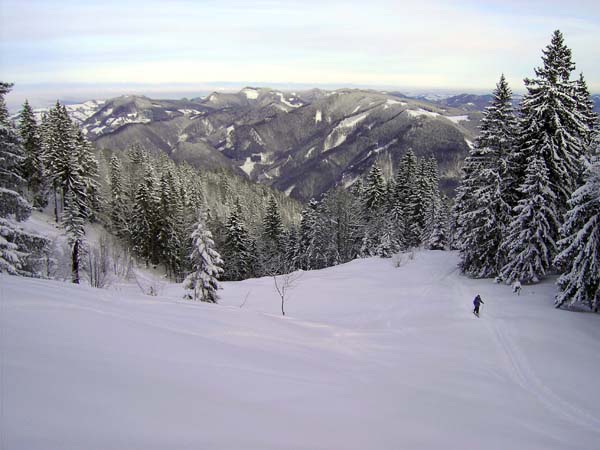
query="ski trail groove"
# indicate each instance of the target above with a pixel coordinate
(524, 376)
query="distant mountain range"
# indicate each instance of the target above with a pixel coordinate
(302, 143)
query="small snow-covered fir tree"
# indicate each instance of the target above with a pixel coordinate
(579, 258)
(530, 238)
(202, 283)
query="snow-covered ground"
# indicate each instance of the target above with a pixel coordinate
(369, 356)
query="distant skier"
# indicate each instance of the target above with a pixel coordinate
(477, 302)
(517, 287)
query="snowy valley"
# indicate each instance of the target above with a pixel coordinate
(369, 355)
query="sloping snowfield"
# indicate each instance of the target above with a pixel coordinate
(369, 356)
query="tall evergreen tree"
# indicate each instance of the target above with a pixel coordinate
(144, 218)
(272, 237)
(586, 106)
(12, 204)
(88, 167)
(530, 241)
(375, 190)
(552, 138)
(552, 124)
(485, 211)
(202, 283)
(33, 168)
(308, 236)
(73, 222)
(21, 252)
(117, 203)
(403, 211)
(579, 258)
(236, 249)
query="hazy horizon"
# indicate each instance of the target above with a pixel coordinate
(45, 95)
(96, 49)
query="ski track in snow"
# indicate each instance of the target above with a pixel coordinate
(520, 370)
(523, 374)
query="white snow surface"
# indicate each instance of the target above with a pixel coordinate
(339, 134)
(250, 93)
(289, 190)
(457, 119)
(248, 165)
(287, 102)
(421, 112)
(390, 102)
(369, 356)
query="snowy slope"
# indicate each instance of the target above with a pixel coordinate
(369, 356)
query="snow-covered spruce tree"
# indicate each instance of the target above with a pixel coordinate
(308, 236)
(11, 152)
(586, 107)
(484, 211)
(431, 198)
(439, 237)
(73, 220)
(88, 165)
(552, 136)
(374, 191)
(419, 205)
(342, 223)
(11, 202)
(579, 258)
(272, 238)
(13, 207)
(168, 214)
(202, 283)
(374, 200)
(58, 146)
(291, 249)
(144, 218)
(552, 124)
(529, 241)
(117, 202)
(33, 167)
(402, 213)
(236, 249)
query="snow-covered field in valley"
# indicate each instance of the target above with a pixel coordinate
(369, 356)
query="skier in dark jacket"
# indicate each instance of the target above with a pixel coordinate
(477, 302)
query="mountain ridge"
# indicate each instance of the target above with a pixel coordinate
(301, 142)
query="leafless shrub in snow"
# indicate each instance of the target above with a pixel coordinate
(284, 284)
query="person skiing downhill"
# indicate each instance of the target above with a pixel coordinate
(477, 301)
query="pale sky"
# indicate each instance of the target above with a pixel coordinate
(185, 45)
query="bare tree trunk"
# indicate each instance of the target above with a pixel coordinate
(55, 205)
(75, 262)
